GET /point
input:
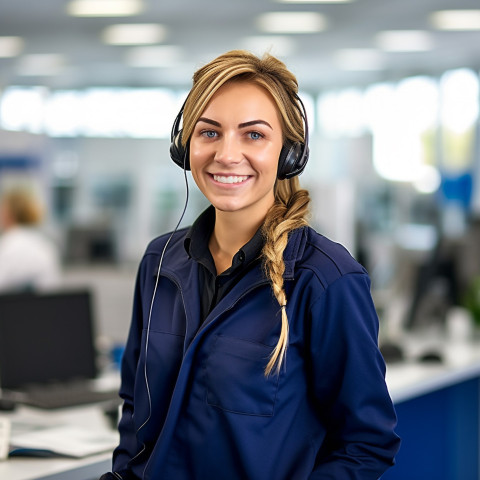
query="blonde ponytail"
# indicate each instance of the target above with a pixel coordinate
(288, 213)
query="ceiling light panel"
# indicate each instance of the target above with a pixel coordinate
(292, 22)
(10, 46)
(104, 8)
(134, 34)
(313, 1)
(405, 41)
(456, 19)
(153, 56)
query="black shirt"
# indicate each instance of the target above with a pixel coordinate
(214, 287)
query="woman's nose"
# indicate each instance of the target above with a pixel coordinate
(228, 151)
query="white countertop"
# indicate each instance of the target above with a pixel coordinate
(412, 378)
(30, 468)
(55, 468)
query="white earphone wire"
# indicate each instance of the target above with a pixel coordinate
(147, 385)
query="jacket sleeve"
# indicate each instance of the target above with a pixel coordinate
(129, 447)
(349, 384)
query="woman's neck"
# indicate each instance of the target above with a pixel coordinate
(231, 232)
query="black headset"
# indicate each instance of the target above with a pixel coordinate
(292, 160)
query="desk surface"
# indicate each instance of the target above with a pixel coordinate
(406, 380)
(24, 468)
(55, 469)
(411, 378)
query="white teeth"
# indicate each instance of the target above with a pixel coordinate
(230, 179)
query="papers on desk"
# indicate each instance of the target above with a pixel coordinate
(5, 428)
(64, 440)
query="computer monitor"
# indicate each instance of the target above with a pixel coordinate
(46, 337)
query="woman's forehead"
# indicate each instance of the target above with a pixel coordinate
(242, 98)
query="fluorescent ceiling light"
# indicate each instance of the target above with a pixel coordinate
(157, 56)
(104, 8)
(10, 46)
(314, 1)
(278, 45)
(134, 34)
(292, 22)
(42, 64)
(404, 41)
(359, 59)
(456, 19)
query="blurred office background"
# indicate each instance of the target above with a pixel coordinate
(89, 91)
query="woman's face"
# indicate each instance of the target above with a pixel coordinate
(234, 149)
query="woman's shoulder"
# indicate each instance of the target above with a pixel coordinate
(172, 240)
(168, 247)
(329, 259)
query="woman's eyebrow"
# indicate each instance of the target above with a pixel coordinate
(240, 125)
(208, 120)
(254, 122)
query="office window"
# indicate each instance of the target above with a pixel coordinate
(94, 112)
(21, 109)
(459, 114)
(342, 113)
(404, 119)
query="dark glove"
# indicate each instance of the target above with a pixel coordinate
(109, 476)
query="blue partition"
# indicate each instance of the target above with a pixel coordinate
(440, 435)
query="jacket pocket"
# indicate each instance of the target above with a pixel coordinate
(235, 377)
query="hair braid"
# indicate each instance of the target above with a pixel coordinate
(288, 213)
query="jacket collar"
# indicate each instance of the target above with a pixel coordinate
(179, 267)
(197, 238)
(178, 262)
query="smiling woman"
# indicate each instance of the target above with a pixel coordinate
(253, 347)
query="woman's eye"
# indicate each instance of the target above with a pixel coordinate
(209, 133)
(255, 135)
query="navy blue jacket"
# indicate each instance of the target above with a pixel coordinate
(213, 413)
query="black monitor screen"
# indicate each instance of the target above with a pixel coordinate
(45, 338)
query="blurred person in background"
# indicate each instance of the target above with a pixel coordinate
(29, 260)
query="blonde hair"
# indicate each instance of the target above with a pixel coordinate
(290, 208)
(22, 206)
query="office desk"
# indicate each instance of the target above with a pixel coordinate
(87, 468)
(55, 469)
(411, 378)
(437, 406)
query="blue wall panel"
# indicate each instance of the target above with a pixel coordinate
(440, 435)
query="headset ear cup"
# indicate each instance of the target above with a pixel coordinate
(178, 153)
(292, 160)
